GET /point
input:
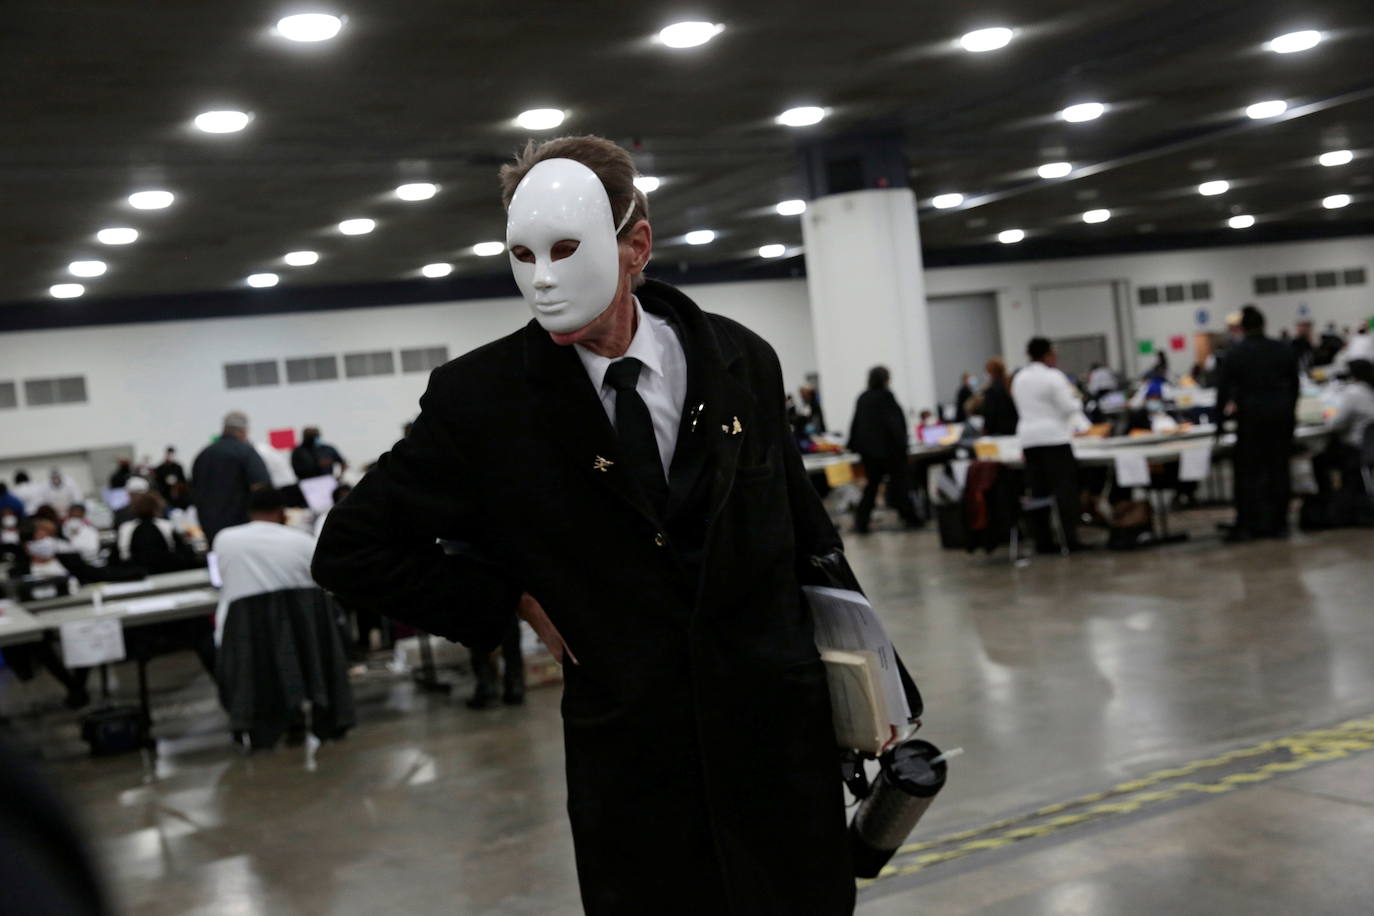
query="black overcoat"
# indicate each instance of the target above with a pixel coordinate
(701, 762)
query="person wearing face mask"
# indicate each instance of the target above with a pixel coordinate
(82, 535)
(60, 492)
(648, 514)
(315, 458)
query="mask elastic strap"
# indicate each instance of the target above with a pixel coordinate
(626, 218)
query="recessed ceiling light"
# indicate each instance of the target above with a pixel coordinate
(151, 200)
(1271, 108)
(86, 268)
(1083, 111)
(1293, 42)
(117, 235)
(689, 34)
(1241, 221)
(435, 271)
(772, 251)
(1213, 188)
(1097, 216)
(986, 39)
(540, 118)
(301, 258)
(222, 122)
(946, 201)
(791, 207)
(357, 226)
(418, 190)
(262, 281)
(488, 249)
(309, 27)
(1336, 157)
(1054, 169)
(647, 183)
(1334, 202)
(1010, 236)
(66, 290)
(801, 117)
(700, 237)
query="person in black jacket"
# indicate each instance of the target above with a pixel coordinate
(878, 434)
(1258, 383)
(961, 397)
(222, 476)
(672, 596)
(998, 408)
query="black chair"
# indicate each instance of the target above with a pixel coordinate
(1367, 460)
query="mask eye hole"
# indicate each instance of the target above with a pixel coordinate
(563, 249)
(522, 253)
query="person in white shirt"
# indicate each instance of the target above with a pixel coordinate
(261, 556)
(82, 535)
(1101, 380)
(60, 492)
(1050, 414)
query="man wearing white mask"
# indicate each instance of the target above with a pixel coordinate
(621, 471)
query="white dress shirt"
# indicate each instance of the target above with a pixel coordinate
(662, 380)
(1049, 407)
(257, 558)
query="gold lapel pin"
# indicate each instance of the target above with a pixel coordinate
(737, 428)
(601, 464)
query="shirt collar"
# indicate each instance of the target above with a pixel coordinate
(645, 346)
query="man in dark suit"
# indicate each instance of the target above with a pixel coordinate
(621, 471)
(1258, 383)
(878, 434)
(223, 474)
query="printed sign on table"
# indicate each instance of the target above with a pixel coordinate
(86, 643)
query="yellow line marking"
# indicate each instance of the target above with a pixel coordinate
(1305, 749)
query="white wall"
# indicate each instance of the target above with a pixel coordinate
(1231, 272)
(158, 383)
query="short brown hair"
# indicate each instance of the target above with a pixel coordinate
(611, 163)
(147, 505)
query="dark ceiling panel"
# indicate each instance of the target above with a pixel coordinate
(98, 98)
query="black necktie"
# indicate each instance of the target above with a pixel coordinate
(635, 428)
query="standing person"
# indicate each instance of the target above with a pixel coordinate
(878, 434)
(11, 502)
(122, 472)
(961, 397)
(60, 492)
(25, 490)
(1101, 380)
(1304, 349)
(1050, 413)
(1258, 384)
(998, 410)
(513, 662)
(649, 516)
(170, 477)
(223, 474)
(315, 458)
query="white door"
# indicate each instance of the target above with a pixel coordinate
(1080, 310)
(963, 334)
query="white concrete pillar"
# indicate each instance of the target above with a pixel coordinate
(868, 299)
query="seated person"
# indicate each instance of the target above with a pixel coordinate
(78, 531)
(9, 533)
(261, 556)
(133, 487)
(151, 541)
(39, 556)
(1354, 414)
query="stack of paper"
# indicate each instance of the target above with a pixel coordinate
(867, 700)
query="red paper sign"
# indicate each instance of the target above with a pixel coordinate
(1176, 342)
(282, 438)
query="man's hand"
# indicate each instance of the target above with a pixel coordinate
(529, 611)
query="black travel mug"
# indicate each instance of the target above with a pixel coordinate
(904, 788)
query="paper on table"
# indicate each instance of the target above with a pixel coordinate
(147, 605)
(1195, 463)
(114, 589)
(92, 642)
(845, 620)
(1132, 470)
(319, 491)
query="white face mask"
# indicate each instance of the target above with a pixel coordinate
(9, 521)
(560, 200)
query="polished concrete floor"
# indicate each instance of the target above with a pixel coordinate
(1059, 680)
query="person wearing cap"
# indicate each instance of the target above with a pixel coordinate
(1258, 384)
(222, 476)
(621, 472)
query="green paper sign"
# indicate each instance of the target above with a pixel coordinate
(1146, 347)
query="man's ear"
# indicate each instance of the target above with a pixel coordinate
(641, 239)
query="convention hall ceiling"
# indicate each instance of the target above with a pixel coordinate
(99, 101)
